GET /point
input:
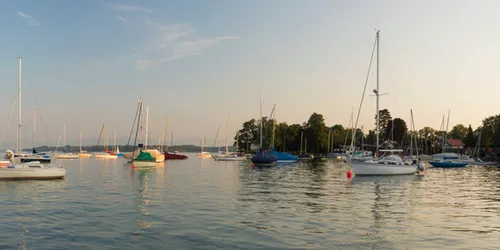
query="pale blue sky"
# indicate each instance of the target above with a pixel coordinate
(88, 62)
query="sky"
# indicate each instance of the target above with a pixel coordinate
(86, 63)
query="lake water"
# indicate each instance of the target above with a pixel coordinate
(203, 204)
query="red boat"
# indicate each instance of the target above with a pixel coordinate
(174, 156)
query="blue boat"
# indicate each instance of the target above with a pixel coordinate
(264, 158)
(283, 157)
(448, 164)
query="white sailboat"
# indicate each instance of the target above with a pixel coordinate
(227, 155)
(30, 170)
(154, 152)
(83, 154)
(203, 154)
(105, 154)
(24, 157)
(389, 164)
(66, 156)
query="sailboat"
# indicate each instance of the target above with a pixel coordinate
(30, 170)
(389, 164)
(448, 160)
(105, 154)
(144, 158)
(227, 156)
(35, 156)
(171, 156)
(263, 158)
(203, 154)
(66, 156)
(160, 157)
(475, 155)
(281, 157)
(304, 156)
(83, 154)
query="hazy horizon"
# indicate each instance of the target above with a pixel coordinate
(86, 63)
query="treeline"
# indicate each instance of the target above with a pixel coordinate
(393, 131)
(123, 148)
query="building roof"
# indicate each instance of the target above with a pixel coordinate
(455, 142)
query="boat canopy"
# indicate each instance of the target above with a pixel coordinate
(145, 156)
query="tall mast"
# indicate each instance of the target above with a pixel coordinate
(377, 93)
(172, 139)
(64, 135)
(81, 138)
(105, 138)
(114, 149)
(19, 114)
(216, 141)
(227, 130)
(301, 139)
(442, 143)
(328, 145)
(274, 125)
(446, 132)
(165, 136)
(147, 128)
(261, 97)
(34, 127)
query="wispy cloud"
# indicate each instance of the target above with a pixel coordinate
(31, 20)
(121, 19)
(178, 41)
(128, 8)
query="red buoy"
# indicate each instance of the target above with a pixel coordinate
(349, 174)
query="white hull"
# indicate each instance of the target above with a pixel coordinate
(225, 158)
(31, 171)
(67, 156)
(287, 161)
(204, 155)
(142, 164)
(84, 155)
(363, 168)
(105, 156)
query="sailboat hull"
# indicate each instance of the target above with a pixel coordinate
(67, 156)
(105, 156)
(363, 168)
(31, 171)
(143, 164)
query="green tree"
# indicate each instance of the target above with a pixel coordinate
(247, 135)
(399, 130)
(371, 137)
(458, 131)
(293, 144)
(470, 137)
(316, 133)
(385, 118)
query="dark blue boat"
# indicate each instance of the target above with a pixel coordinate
(448, 164)
(264, 158)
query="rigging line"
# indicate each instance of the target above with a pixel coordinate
(8, 123)
(43, 126)
(363, 96)
(133, 125)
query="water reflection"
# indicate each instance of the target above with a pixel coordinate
(143, 198)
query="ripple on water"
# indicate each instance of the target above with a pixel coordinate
(203, 204)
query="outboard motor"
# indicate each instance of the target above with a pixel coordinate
(421, 166)
(9, 155)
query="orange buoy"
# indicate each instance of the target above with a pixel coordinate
(349, 174)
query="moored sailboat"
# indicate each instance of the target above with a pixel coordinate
(30, 170)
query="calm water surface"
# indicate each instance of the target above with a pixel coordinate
(203, 204)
